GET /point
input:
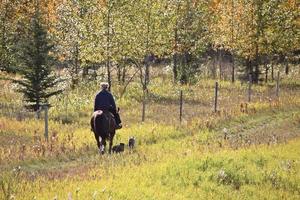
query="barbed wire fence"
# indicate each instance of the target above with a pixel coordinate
(185, 108)
(15, 111)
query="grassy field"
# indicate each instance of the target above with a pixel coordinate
(236, 153)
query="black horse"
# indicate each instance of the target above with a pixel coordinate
(104, 127)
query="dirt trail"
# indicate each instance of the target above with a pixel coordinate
(267, 128)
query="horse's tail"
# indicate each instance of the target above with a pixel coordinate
(97, 115)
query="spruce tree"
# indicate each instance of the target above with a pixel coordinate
(38, 80)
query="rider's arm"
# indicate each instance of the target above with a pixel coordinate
(112, 102)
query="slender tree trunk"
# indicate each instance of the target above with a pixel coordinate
(232, 40)
(76, 66)
(147, 65)
(119, 74)
(287, 69)
(147, 73)
(123, 74)
(145, 92)
(3, 59)
(267, 71)
(214, 67)
(272, 72)
(220, 63)
(175, 56)
(37, 109)
(256, 73)
(3, 36)
(184, 76)
(175, 53)
(144, 106)
(146, 78)
(233, 70)
(85, 72)
(108, 74)
(175, 67)
(249, 68)
(95, 73)
(76, 59)
(108, 48)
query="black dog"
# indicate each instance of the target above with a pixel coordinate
(131, 142)
(118, 148)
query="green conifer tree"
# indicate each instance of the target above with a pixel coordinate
(38, 80)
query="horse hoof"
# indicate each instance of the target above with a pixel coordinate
(101, 152)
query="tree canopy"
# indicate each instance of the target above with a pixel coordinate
(110, 32)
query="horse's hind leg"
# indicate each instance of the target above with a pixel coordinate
(110, 145)
(102, 145)
(97, 139)
(111, 138)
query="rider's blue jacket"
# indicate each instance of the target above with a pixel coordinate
(104, 101)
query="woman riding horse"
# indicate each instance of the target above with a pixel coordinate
(105, 119)
(105, 101)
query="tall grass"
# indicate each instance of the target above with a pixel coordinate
(235, 153)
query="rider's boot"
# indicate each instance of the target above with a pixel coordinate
(118, 121)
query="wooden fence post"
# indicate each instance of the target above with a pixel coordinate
(277, 85)
(180, 105)
(46, 122)
(249, 87)
(143, 109)
(216, 97)
(45, 108)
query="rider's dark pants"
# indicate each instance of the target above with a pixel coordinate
(116, 115)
